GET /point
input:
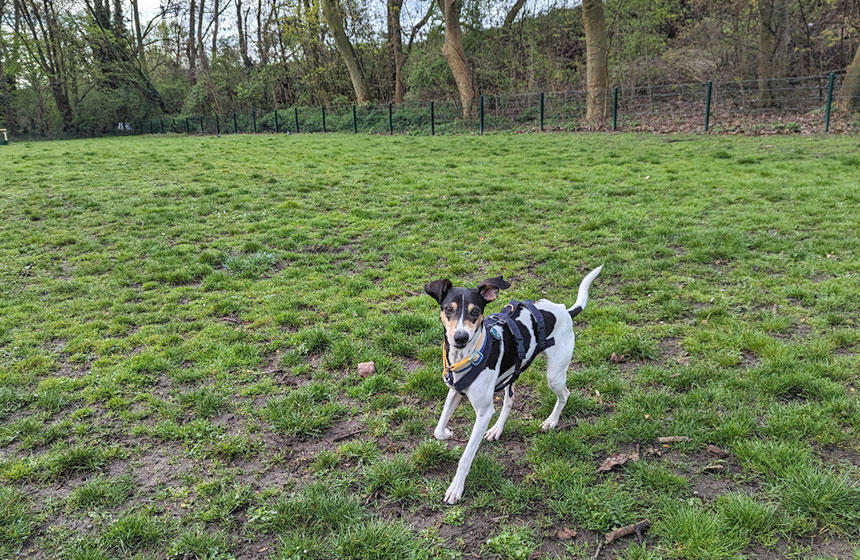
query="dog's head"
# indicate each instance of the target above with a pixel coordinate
(463, 308)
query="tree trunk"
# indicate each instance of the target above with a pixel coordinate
(261, 47)
(191, 49)
(201, 51)
(596, 60)
(137, 30)
(243, 36)
(455, 54)
(334, 19)
(771, 62)
(513, 13)
(395, 38)
(8, 112)
(217, 15)
(849, 93)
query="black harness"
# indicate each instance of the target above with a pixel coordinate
(494, 326)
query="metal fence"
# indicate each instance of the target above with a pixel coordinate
(787, 105)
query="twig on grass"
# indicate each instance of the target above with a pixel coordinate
(636, 528)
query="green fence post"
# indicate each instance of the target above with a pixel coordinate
(708, 104)
(482, 114)
(151, 129)
(297, 119)
(254, 118)
(173, 124)
(390, 120)
(323, 117)
(162, 126)
(235, 125)
(432, 119)
(217, 125)
(201, 124)
(541, 111)
(829, 102)
(354, 124)
(615, 108)
(277, 128)
(187, 126)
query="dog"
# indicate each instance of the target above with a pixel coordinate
(484, 355)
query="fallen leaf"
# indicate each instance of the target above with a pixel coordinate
(616, 359)
(565, 534)
(709, 468)
(683, 360)
(715, 450)
(617, 459)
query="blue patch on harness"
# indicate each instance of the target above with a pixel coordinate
(496, 331)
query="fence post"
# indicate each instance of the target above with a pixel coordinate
(829, 102)
(151, 129)
(187, 126)
(541, 111)
(432, 119)
(162, 126)
(482, 114)
(615, 108)
(201, 124)
(297, 119)
(254, 117)
(217, 125)
(390, 121)
(354, 124)
(708, 104)
(277, 128)
(323, 117)
(235, 126)
(173, 124)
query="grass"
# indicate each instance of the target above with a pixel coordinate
(181, 319)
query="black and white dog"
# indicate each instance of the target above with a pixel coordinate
(482, 355)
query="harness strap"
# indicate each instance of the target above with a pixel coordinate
(542, 341)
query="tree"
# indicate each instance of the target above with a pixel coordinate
(395, 40)
(334, 19)
(596, 59)
(47, 44)
(455, 54)
(771, 58)
(849, 93)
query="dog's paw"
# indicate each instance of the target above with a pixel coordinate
(443, 435)
(548, 424)
(493, 433)
(454, 493)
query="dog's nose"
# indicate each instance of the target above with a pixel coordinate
(460, 339)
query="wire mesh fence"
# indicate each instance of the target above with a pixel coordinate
(808, 104)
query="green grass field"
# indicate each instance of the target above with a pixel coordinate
(181, 318)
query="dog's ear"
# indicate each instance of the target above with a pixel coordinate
(438, 289)
(489, 288)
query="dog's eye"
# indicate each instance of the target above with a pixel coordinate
(449, 310)
(475, 313)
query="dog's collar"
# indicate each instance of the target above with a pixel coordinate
(467, 364)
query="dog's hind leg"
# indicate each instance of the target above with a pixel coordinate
(442, 432)
(557, 362)
(496, 431)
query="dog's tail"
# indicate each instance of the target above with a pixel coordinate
(582, 296)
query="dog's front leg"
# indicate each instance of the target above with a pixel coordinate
(483, 411)
(442, 432)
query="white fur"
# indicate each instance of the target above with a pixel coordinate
(480, 392)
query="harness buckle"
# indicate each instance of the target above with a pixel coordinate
(476, 358)
(496, 331)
